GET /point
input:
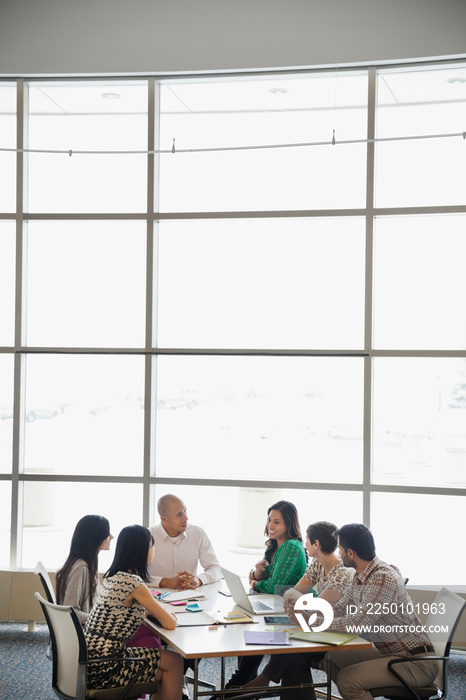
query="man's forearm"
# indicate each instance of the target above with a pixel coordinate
(167, 582)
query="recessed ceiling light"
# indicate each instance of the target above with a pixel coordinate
(110, 95)
(278, 91)
(456, 81)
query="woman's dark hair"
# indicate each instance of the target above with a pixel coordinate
(325, 533)
(88, 535)
(359, 538)
(131, 552)
(293, 531)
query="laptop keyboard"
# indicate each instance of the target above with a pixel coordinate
(260, 605)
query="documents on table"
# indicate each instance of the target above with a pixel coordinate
(234, 617)
(187, 619)
(189, 610)
(336, 638)
(211, 617)
(177, 596)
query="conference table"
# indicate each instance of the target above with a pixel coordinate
(221, 640)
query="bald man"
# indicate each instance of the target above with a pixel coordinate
(179, 548)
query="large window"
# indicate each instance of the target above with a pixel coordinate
(275, 283)
(83, 414)
(238, 290)
(85, 283)
(258, 117)
(428, 106)
(87, 120)
(8, 126)
(260, 418)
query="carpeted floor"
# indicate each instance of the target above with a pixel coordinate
(25, 672)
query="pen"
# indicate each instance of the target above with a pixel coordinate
(162, 595)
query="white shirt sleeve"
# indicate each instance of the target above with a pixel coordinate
(183, 553)
(209, 562)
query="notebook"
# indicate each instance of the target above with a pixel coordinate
(256, 605)
(336, 638)
(259, 637)
(197, 619)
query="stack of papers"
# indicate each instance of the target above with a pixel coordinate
(235, 617)
(188, 619)
(185, 618)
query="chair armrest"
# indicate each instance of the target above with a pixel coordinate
(104, 659)
(415, 659)
(122, 660)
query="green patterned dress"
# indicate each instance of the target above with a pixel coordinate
(286, 568)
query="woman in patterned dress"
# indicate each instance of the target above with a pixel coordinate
(283, 565)
(123, 602)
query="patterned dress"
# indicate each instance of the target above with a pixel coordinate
(110, 623)
(338, 579)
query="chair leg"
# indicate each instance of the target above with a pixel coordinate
(206, 684)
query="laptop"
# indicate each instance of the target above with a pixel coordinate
(255, 605)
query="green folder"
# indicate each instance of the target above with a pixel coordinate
(335, 638)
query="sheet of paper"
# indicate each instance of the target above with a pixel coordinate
(273, 637)
(182, 595)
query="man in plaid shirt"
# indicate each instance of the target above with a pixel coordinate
(378, 608)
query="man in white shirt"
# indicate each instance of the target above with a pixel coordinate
(179, 548)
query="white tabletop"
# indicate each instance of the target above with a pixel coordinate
(228, 640)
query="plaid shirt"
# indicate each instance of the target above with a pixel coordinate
(378, 604)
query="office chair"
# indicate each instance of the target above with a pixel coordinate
(454, 606)
(70, 660)
(42, 573)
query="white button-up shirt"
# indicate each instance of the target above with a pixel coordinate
(183, 553)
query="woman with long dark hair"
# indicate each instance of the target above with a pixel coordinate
(119, 610)
(77, 582)
(282, 566)
(284, 560)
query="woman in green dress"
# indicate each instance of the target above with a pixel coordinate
(282, 566)
(284, 561)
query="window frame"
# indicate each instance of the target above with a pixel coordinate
(149, 479)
